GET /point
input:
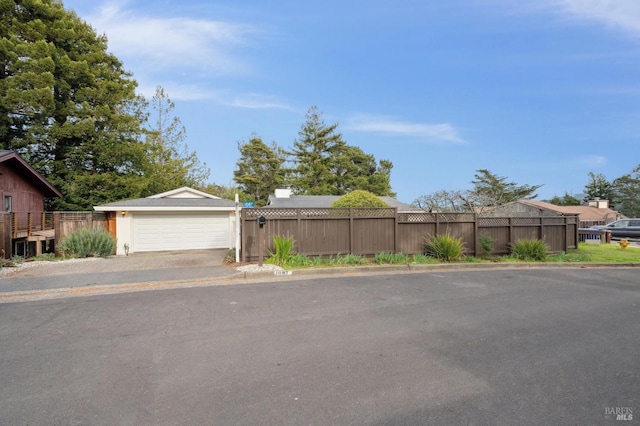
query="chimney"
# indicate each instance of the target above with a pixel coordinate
(598, 203)
(284, 192)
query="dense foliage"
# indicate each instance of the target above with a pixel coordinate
(359, 198)
(259, 170)
(68, 106)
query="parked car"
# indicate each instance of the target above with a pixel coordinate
(623, 228)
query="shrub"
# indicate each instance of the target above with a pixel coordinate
(284, 247)
(486, 245)
(359, 198)
(530, 250)
(88, 243)
(444, 247)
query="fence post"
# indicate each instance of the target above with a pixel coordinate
(300, 249)
(351, 230)
(395, 230)
(475, 234)
(243, 235)
(57, 232)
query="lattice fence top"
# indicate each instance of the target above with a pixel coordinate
(426, 217)
(493, 221)
(79, 216)
(288, 213)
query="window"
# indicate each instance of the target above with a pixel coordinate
(8, 203)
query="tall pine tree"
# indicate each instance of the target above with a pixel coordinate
(171, 164)
(68, 106)
(259, 170)
(323, 164)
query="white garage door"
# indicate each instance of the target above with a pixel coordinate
(180, 231)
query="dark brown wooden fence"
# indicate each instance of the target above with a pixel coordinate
(65, 223)
(368, 231)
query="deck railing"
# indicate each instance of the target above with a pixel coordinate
(25, 224)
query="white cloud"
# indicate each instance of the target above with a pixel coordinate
(171, 43)
(442, 132)
(620, 14)
(256, 101)
(593, 160)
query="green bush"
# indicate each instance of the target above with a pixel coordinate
(282, 255)
(359, 198)
(530, 250)
(88, 243)
(486, 245)
(446, 248)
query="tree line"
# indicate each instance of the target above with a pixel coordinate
(319, 163)
(490, 190)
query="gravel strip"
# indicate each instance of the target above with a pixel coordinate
(9, 270)
(256, 268)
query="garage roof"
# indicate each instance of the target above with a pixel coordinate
(181, 199)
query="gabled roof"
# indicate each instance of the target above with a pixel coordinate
(180, 199)
(184, 192)
(12, 159)
(325, 201)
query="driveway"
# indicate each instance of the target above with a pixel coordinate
(136, 268)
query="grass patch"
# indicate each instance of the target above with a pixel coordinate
(600, 253)
(604, 253)
(391, 258)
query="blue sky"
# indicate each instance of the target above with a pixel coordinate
(539, 91)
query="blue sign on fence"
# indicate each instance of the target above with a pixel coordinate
(248, 204)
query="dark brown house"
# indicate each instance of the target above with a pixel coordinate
(23, 191)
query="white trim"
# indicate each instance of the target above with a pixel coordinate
(185, 189)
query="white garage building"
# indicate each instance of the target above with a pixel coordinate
(182, 219)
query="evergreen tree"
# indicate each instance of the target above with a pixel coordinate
(598, 188)
(352, 169)
(566, 200)
(68, 106)
(626, 193)
(494, 190)
(313, 155)
(227, 192)
(171, 164)
(259, 170)
(325, 165)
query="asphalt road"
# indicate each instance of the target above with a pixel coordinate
(500, 347)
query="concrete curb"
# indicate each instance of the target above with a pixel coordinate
(385, 269)
(289, 275)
